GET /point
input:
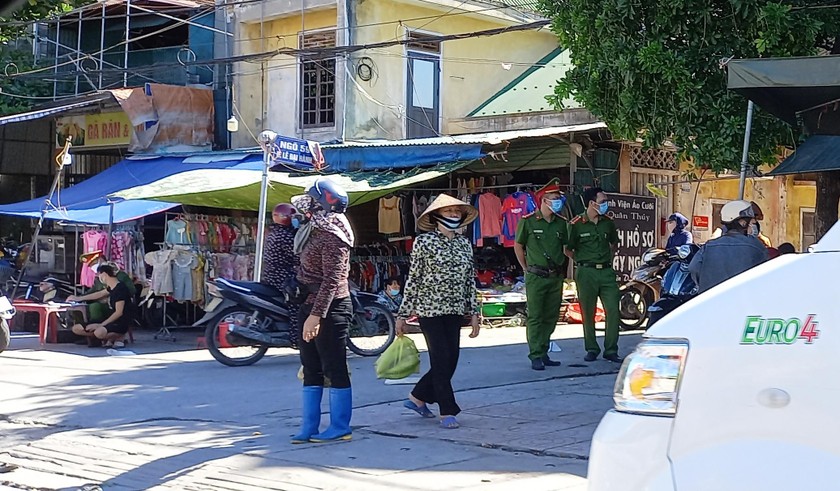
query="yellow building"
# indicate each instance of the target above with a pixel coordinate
(787, 202)
(411, 85)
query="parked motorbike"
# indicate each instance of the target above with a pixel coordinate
(642, 290)
(7, 311)
(244, 319)
(678, 287)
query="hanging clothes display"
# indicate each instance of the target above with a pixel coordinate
(490, 210)
(161, 263)
(514, 207)
(183, 263)
(92, 240)
(389, 215)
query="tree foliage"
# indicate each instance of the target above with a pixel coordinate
(16, 53)
(656, 68)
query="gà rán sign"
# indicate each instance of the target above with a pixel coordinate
(635, 221)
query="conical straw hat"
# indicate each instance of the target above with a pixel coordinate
(444, 201)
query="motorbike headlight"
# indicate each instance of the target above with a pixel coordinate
(648, 382)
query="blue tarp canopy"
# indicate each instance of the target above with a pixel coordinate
(819, 153)
(86, 202)
(403, 155)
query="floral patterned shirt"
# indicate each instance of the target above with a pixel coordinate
(441, 280)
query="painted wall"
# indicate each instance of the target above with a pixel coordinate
(780, 198)
(269, 99)
(472, 69)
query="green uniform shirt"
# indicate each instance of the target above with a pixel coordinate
(541, 237)
(592, 242)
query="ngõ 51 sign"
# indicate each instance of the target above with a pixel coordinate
(94, 130)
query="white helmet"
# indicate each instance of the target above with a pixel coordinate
(736, 209)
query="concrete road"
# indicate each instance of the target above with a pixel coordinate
(171, 417)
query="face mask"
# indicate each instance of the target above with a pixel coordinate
(603, 207)
(393, 292)
(452, 224)
(295, 222)
(753, 230)
(95, 268)
(557, 204)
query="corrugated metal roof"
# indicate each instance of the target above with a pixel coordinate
(44, 112)
(475, 138)
(526, 93)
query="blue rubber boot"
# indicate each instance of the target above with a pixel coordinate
(311, 413)
(341, 409)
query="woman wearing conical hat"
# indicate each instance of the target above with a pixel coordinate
(441, 290)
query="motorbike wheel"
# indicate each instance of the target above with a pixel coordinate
(233, 356)
(5, 335)
(633, 308)
(372, 331)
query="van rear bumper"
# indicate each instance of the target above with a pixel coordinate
(630, 452)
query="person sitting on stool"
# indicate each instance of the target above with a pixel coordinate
(113, 329)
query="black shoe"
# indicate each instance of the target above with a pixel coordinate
(537, 365)
(94, 342)
(613, 358)
(590, 356)
(549, 362)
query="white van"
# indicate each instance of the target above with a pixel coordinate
(738, 389)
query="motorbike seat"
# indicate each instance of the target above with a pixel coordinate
(260, 289)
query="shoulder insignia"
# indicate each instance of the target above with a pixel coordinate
(529, 215)
(575, 220)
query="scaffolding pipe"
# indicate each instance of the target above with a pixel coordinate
(78, 50)
(57, 43)
(101, 45)
(125, 51)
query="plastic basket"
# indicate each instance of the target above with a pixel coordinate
(495, 309)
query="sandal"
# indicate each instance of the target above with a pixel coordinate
(108, 344)
(421, 410)
(118, 345)
(449, 423)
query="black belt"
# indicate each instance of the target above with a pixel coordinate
(544, 272)
(595, 265)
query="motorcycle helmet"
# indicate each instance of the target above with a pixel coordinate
(282, 214)
(678, 218)
(329, 196)
(736, 210)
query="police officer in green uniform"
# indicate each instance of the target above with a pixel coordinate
(540, 239)
(593, 241)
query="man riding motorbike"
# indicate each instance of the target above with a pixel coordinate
(730, 254)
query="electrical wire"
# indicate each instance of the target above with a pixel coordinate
(323, 52)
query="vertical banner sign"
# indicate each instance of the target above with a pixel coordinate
(635, 220)
(301, 154)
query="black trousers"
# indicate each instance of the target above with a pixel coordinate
(326, 354)
(443, 338)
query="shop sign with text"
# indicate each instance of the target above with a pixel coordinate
(635, 221)
(94, 130)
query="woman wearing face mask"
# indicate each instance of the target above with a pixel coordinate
(391, 295)
(324, 242)
(440, 290)
(677, 234)
(280, 261)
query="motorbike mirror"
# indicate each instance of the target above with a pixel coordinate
(684, 251)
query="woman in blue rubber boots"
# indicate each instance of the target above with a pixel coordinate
(323, 241)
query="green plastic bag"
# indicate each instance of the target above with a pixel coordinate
(400, 360)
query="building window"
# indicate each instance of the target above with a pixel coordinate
(317, 82)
